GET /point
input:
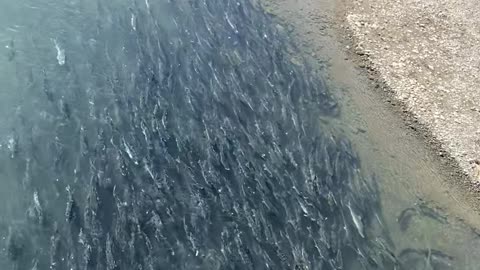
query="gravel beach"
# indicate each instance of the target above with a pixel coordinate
(427, 53)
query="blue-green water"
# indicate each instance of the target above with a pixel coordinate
(178, 135)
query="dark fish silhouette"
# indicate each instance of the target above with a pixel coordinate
(11, 51)
(426, 259)
(422, 209)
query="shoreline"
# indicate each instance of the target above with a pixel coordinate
(382, 126)
(459, 175)
(411, 67)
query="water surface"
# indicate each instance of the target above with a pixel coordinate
(179, 135)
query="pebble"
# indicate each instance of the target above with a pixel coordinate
(428, 60)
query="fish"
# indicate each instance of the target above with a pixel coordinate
(11, 50)
(357, 220)
(183, 134)
(60, 53)
(426, 259)
(422, 209)
(405, 217)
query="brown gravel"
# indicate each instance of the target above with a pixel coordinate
(427, 52)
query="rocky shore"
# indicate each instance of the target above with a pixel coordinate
(427, 53)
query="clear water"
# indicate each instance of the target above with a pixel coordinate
(180, 135)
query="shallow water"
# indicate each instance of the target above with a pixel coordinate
(409, 175)
(180, 135)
